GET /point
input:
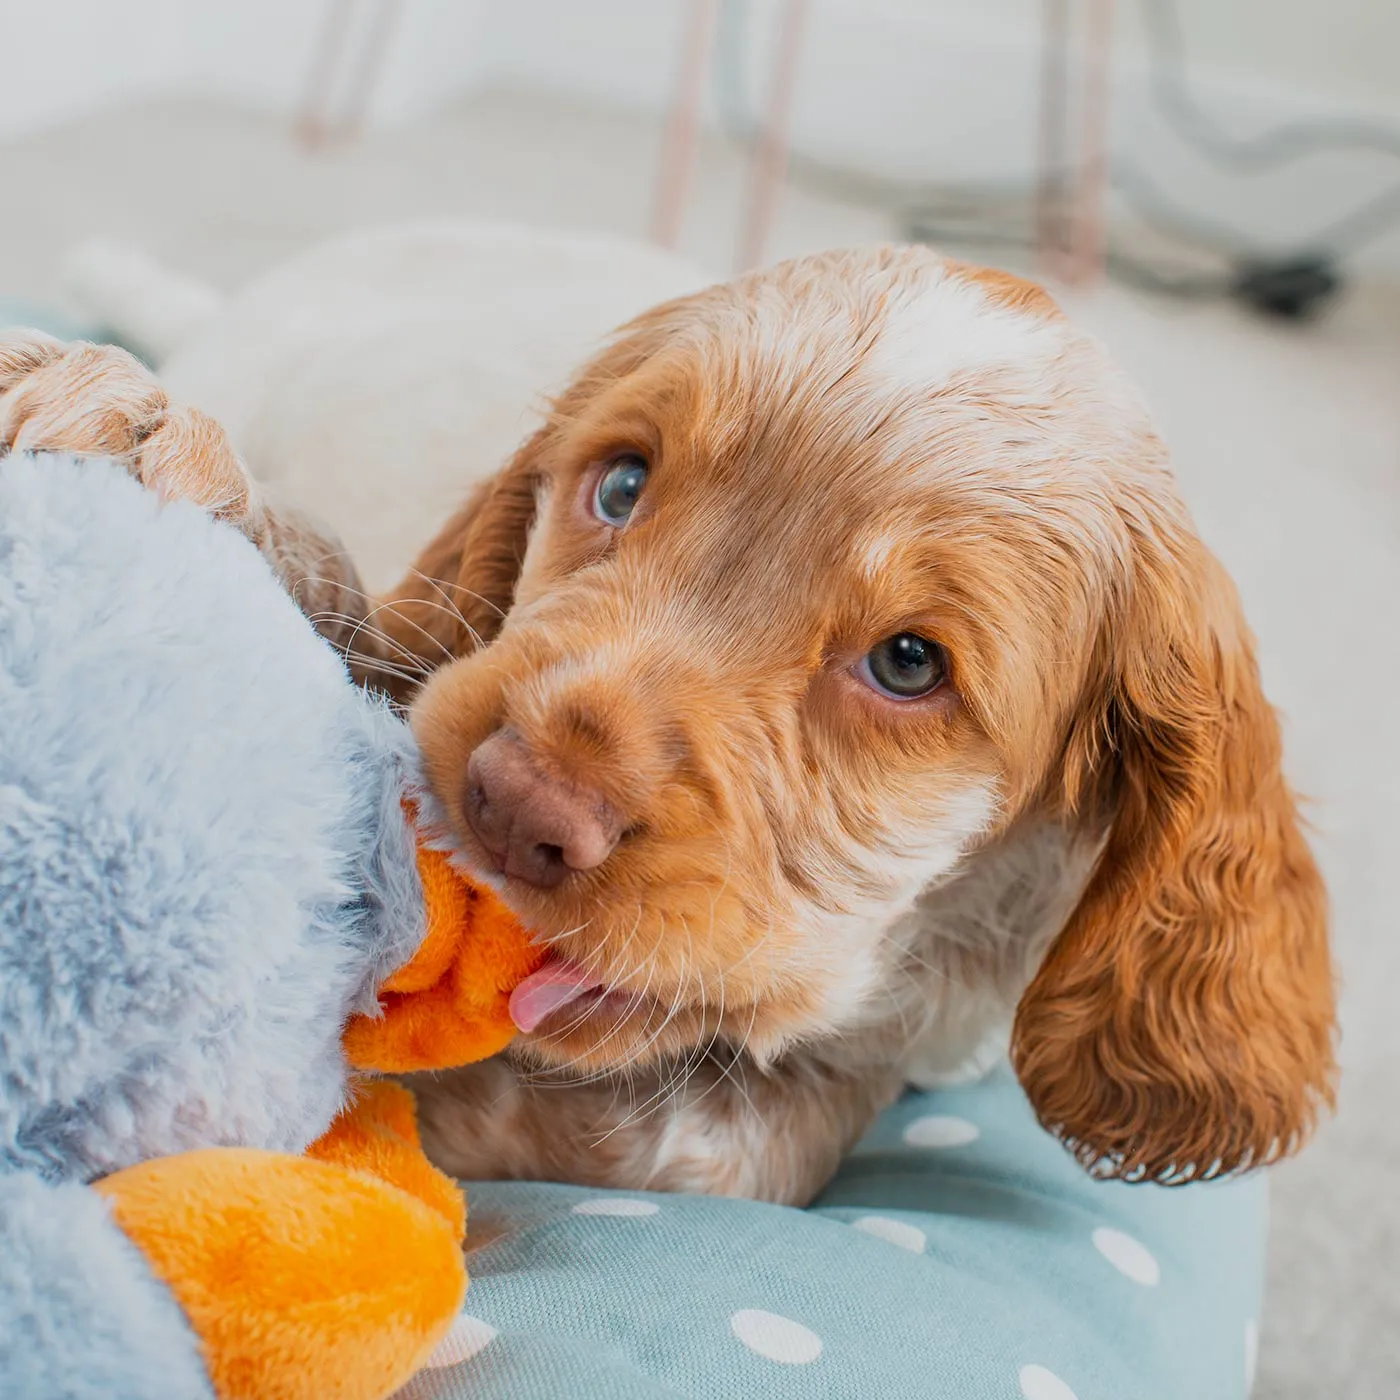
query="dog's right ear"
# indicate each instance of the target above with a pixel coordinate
(457, 592)
(462, 585)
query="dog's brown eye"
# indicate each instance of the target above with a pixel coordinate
(619, 489)
(905, 666)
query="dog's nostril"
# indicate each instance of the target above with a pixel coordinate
(551, 855)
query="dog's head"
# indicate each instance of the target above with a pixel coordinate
(815, 583)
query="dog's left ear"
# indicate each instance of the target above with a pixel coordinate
(1181, 1025)
(461, 587)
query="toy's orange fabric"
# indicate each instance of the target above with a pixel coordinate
(325, 1277)
(449, 1005)
(378, 1134)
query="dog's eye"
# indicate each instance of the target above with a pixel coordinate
(905, 666)
(619, 489)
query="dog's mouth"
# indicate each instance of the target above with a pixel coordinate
(559, 986)
(572, 1018)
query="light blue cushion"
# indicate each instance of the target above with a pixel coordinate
(15, 313)
(959, 1253)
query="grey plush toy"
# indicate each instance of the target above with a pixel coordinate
(205, 870)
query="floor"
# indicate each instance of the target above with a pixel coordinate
(1288, 442)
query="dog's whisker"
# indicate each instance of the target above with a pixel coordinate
(449, 607)
(636, 1115)
(447, 598)
(610, 1071)
(394, 609)
(450, 611)
(400, 655)
(675, 1078)
(467, 592)
(378, 666)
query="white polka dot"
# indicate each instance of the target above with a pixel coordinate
(1251, 1356)
(941, 1130)
(467, 1336)
(777, 1338)
(616, 1205)
(1128, 1256)
(898, 1232)
(1039, 1384)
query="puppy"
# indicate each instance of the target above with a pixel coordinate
(837, 683)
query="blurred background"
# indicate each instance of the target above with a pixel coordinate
(1211, 185)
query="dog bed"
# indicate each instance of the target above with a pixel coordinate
(959, 1253)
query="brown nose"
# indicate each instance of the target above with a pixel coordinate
(538, 827)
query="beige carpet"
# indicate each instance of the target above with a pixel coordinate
(1288, 443)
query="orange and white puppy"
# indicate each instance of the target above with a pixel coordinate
(858, 697)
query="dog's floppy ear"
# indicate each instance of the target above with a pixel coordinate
(1181, 1025)
(475, 559)
(460, 588)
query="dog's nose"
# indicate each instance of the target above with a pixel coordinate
(541, 828)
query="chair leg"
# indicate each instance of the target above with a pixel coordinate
(335, 51)
(1052, 155)
(1089, 247)
(769, 164)
(679, 143)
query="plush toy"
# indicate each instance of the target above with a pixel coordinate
(219, 896)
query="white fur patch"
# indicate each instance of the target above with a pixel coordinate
(877, 554)
(983, 933)
(905, 872)
(948, 327)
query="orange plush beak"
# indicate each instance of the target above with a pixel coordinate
(449, 1005)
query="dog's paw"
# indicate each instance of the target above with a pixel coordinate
(97, 400)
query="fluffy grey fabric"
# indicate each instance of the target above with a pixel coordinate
(80, 1315)
(204, 864)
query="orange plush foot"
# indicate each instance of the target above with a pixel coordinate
(378, 1134)
(450, 1005)
(304, 1279)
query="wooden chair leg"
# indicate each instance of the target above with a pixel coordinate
(334, 54)
(678, 144)
(1089, 248)
(769, 163)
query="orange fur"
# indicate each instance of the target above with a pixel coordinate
(1181, 1026)
(378, 1134)
(693, 671)
(1008, 290)
(98, 399)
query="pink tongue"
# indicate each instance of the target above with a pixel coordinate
(543, 993)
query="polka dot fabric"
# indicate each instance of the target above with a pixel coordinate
(959, 1255)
